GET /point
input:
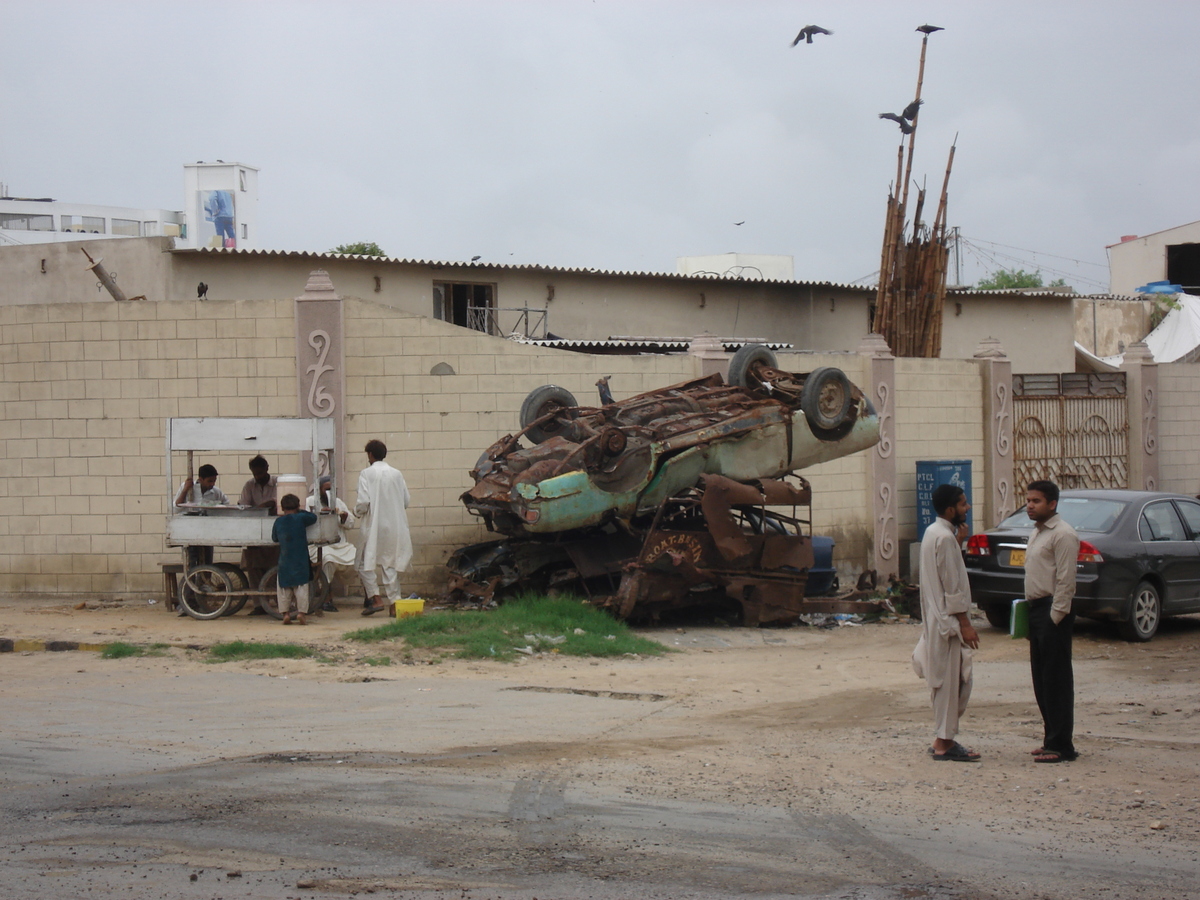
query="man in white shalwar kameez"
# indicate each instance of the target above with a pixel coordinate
(386, 544)
(338, 556)
(943, 654)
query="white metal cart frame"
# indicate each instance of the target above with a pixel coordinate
(211, 587)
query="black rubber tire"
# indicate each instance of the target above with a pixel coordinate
(1145, 614)
(998, 616)
(240, 582)
(205, 592)
(747, 356)
(541, 401)
(826, 400)
(269, 601)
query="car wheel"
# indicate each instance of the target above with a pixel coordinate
(998, 616)
(741, 366)
(542, 401)
(826, 400)
(1145, 612)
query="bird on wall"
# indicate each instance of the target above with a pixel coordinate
(202, 291)
(807, 32)
(930, 29)
(899, 120)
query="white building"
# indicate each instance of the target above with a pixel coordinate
(1169, 255)
(220, 210)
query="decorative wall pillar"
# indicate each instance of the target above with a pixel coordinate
(710, 350)
(998, 462)
(879, 372)
(321, 368)
(1141, 393)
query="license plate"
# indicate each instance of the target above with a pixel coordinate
(1016, 557)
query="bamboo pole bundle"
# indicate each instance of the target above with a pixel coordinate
(910, 301)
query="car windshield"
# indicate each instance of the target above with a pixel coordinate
(1084, 514)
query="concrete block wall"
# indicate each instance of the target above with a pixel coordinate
(938, 416)
(1179, 427)
(85, 391)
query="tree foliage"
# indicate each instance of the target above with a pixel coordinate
(1015, 279)
(360, 248)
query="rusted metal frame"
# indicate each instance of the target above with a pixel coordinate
(778, 415)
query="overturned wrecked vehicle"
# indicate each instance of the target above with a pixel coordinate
(668, 498)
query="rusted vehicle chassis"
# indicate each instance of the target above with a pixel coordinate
(669, 498)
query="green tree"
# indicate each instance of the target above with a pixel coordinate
(1015, 279)
(360, 248)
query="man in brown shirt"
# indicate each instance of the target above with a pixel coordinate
(1050, 560)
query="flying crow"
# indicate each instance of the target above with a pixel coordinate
(910, 111)
(807, 32)
(743, 222)
(202, 291)
(476, 258)
(930, 29)
(899, 120)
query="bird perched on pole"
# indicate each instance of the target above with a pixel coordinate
(910, 111)
(807, 32)
(905, 128)
(930, 29)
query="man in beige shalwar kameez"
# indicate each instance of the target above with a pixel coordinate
(943, 654)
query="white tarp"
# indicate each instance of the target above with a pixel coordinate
(1177, 337)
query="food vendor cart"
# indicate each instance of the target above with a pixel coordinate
(213, 589)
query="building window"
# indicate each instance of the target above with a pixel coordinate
(245, 231)
(1183, 265)
(26, 222)
(242, 181)
(83, 224)
(149, 228)
(465, 304)
(127, 227)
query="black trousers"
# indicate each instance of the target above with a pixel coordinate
(1053, 677)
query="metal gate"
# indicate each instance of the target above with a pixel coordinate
(1072, 429)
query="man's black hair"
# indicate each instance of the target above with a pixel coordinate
(289, 501)
(259, 463)
(207, 471)
(945, 496)
(1047, 489)
(377, 449)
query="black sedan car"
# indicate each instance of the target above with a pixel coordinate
(1139, 559)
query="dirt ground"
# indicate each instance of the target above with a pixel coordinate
(767, 762)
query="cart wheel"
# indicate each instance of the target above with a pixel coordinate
(206, 592)
(240, 583)
(269, 600)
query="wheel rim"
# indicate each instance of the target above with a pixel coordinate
(1145, 611)
(205, 592)
(832, 400)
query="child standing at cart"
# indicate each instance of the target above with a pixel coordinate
(294, 571)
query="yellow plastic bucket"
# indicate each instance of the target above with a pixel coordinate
(402, 608)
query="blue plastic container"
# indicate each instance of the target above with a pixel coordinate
(822, 574)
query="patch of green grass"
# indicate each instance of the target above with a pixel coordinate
(234, 650)
(377, 660)
(530, 621)
(121, 650)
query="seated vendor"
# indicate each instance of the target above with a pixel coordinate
(204, 491)
(259, 491)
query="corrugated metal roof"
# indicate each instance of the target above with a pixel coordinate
(629, 273)
(522, 267)
(647, 344)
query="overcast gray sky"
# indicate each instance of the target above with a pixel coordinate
(619, 134)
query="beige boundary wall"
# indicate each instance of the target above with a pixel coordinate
(1179, 427)
(87, 387)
